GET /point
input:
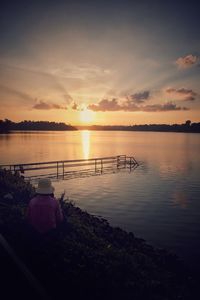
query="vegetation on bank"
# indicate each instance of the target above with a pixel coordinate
(188, 126)
(7, 125)
(86, 258)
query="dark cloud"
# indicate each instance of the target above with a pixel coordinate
(47, 106)
(183, 93)
(187, 61)
(75, 106)
(139, 97)
(106, 105)
(169, 106)
(129, 106)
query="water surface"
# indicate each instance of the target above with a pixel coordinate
(159, 201)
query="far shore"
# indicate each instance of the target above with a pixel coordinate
(8, 126)
(95, 129)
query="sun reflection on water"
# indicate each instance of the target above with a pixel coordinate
(85, 135)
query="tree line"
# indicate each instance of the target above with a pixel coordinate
(188, 126)
(8, 125)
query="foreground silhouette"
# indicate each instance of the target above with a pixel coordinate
(86, 258)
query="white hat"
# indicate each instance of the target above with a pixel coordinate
(44, 186)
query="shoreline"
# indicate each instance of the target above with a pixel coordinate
(73, 130)
(88, 253)
(8, 126)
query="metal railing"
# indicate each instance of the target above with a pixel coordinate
(62, 169)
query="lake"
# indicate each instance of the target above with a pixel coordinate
(159, 201)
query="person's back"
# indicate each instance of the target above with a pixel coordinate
(44, 212)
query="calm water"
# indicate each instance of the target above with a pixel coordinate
(159, 201)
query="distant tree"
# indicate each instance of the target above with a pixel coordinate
(188, 123)
(5, 126)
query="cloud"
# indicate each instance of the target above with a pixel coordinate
(139, 97)
(75, 106)
(187, 61)
(169, 106)
(78, 107)
(47, 106)
(182, 93)
(129, 106)
(106, 105)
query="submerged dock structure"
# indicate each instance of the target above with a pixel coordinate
(68, 169)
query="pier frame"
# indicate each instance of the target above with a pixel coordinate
(62, 169)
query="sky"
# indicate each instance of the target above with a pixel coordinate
(100, 62)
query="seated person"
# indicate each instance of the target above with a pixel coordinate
(44, 211)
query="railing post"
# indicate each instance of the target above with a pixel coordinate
(63, 170)
(57, 169)
(95, 165)
(117, 162)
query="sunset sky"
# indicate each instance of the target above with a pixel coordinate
(100, 62)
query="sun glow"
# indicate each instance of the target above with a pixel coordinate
(86, 116)
(85, 134)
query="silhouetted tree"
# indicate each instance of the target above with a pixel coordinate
(188, 126)
(7, 125)
(188, 123)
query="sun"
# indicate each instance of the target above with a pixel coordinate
(86, 116)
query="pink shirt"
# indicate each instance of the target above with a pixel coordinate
(44, 213)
